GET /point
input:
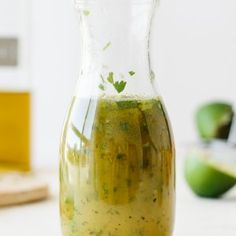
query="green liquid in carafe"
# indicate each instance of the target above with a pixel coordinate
(117, 169)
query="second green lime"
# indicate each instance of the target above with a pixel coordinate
(213, 120)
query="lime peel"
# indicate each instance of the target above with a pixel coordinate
(207, 156)
(213, 120)
(206, 177)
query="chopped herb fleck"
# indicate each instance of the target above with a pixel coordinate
(117, 212)
(141, 233)
(119, 86)
(112, 211)
(124, 126)
(105, 189)
(131, 73)
(102, 78)
(154, 200)
(110, 78)
(86, 12)
(152, 76)
(99, 233)
(106, 46)
(121, 156)
(102, 87)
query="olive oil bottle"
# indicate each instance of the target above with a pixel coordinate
(15, 130)
(15, 93)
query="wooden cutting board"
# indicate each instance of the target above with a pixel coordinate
(21, 188)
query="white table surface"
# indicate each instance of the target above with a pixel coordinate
(194, 216)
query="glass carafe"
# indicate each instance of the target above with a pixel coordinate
(117, 158)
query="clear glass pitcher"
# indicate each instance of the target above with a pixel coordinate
(117, 157)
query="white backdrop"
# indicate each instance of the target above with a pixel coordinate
(196, 54)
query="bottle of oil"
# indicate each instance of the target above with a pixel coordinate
(15, 94)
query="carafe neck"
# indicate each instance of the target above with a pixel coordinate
(116, 37)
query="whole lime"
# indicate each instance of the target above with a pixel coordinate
(205, 178)
(213, 120)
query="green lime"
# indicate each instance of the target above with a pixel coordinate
(205, 177)
(213, 120)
